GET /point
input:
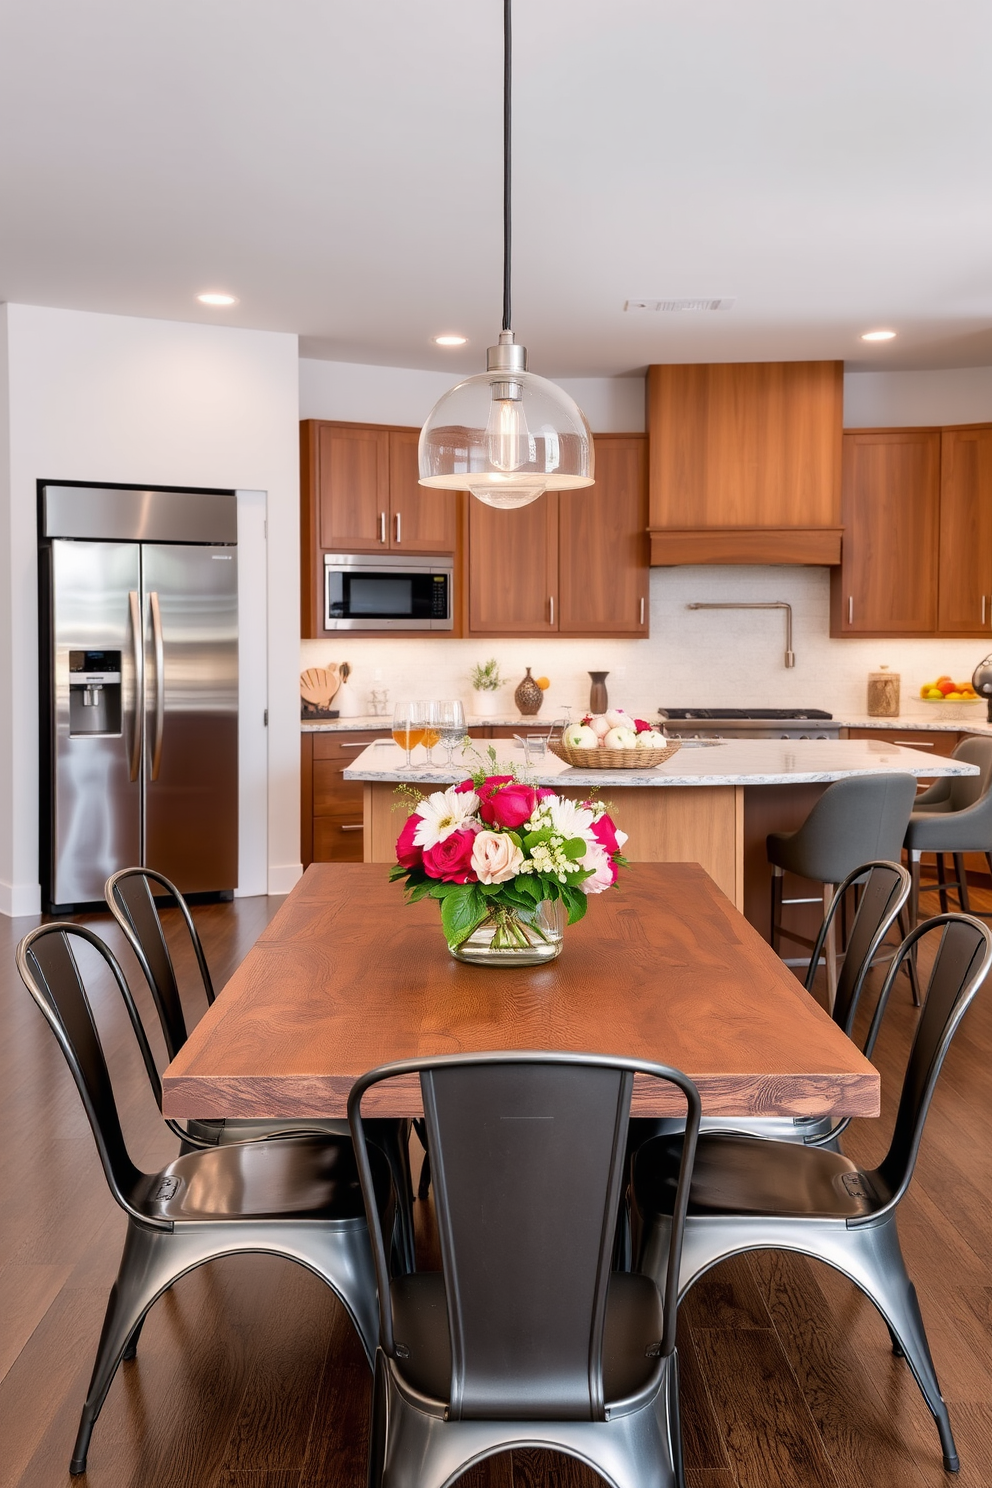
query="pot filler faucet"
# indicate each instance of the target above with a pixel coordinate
(775, 604)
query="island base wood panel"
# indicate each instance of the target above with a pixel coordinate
(704, 826)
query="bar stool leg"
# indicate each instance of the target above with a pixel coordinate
(915, 859)
(962, 873)
(777, 876)
(942, 881)
(830, 948)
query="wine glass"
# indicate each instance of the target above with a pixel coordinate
(408, 728)
(451, 724)
(432, 729)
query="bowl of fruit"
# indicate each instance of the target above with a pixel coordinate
(949, 694)
(613, 741)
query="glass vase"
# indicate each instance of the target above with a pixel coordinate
(515, 937)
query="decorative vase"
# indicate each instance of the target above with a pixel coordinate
(515, 937)
(598, 702)
(484, 704)
(528, 696)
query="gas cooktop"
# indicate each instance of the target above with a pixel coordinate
(772, 713)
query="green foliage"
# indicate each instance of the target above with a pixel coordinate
(485, 676)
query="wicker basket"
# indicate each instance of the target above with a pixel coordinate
(614, 759)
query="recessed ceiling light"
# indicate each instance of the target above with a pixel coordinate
(450, 340)
(878, 336)
(213, 298)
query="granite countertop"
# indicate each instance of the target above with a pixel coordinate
(731, 762)
(938, 718)
(472, 720)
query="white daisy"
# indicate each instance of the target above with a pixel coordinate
(443, 813)
(569, 818)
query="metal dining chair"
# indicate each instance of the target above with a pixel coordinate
(130, 898)
(525, 1337)
(856, 820)
(755, 1195)
(297, 1197)
(954, 816)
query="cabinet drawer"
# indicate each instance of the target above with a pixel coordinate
(934, 741)
(338, 838)
(345, 746)
(332, 793)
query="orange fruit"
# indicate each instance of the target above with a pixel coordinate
(543, 683)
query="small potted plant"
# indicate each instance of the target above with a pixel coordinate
(486, 683)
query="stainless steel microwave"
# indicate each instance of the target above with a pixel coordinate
(388, 591)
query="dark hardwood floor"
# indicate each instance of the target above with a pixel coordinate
(250, 1376)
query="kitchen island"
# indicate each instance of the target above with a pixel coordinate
(710, 803)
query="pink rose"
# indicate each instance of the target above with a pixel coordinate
(605, 832)
(507, 805)
(408, 854)
(603, 870)
(642, 727)
(495, 857)
(452, 859)
(463, 786)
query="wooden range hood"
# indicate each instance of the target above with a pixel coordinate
(745, 462)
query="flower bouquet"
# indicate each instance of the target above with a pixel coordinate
(509, 863)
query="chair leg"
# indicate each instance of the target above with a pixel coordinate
(830, 948)
(915, 859)
(962, 874)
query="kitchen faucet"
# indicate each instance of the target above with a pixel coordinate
(774, 604)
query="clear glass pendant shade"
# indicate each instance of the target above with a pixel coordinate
(507, 436)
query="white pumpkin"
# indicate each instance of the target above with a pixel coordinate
(619, 718)
(651, 739)
(599, 725)
(620, 738)
(577, 736)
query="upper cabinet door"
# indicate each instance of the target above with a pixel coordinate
(513, 568)
(603, 544)
(964, 592)
(352, 489)
(887, 583)
(421, 520)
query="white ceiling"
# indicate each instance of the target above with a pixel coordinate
(337, 167)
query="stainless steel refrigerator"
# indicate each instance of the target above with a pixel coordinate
(139, 688)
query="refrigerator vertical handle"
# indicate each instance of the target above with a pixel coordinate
(134, 608)
(157, 642)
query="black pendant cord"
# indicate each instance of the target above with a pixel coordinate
(507, 50)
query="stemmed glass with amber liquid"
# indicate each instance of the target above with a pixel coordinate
(408, 728)
(432, 728)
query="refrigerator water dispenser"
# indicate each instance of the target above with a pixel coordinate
(94, 693)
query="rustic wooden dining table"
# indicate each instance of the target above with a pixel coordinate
(346, 977)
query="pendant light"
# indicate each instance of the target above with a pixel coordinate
(505, 434)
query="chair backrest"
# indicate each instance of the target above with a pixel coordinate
(884, 890)
(961, 964)
(965, 790)
(527, 1158)
(858, 820)
(48, 969)
(131, 902)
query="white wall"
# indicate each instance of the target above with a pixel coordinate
(403, 395)
(112, 398)
(962, 395)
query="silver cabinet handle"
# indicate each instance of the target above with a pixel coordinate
(353, 827)
(398, 531)
(139, 683)
(916, 743)
(159, 683)
(850, 609)
(363, 745)
(551, 609)
(642, 609)
(382, 527)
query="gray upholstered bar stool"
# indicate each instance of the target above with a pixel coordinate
(855, 820)
(954, 816)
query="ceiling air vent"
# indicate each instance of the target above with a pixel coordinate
(723, 304)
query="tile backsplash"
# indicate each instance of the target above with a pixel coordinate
(701, 658)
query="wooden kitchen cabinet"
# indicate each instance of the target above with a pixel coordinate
(917, 558)
(745, 462)
(360, 494)
(331, 826)
(887, 582)
(573, 562)
(964, 581)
